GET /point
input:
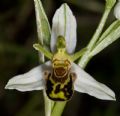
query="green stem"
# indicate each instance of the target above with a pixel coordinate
(58, 109)
(42, 50)
(85, 58)
(78, 54)
(47, 105)
(99, 28)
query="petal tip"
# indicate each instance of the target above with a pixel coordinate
(6, 87)
(86, 84)
(117, 11)
(113, 97)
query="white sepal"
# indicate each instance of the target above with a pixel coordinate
(86, 84)
(32, 80)
(64, 23)
(117, 10)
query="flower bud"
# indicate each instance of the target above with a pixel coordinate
(117, 10)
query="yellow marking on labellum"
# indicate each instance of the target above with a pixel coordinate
(59, 83)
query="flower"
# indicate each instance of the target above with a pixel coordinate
(117, 10)
(64, 24)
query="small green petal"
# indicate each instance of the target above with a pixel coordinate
(43, 28)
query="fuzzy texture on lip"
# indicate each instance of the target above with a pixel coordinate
(60, 71)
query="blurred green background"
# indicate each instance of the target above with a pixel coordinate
(17, 35)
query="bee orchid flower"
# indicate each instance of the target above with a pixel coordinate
(62, 57)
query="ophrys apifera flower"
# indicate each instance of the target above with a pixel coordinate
(61, 76)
